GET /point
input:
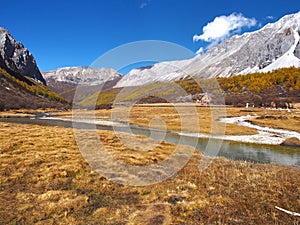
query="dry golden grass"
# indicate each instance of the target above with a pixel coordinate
(186, 120)
(143, 115)
(27, 112)
(143, 150)
(174, 120)
(288, 121)
(45, 180)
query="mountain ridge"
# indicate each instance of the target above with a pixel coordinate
(264, 50)
(82, 75)
(15, 58)
(84, 80)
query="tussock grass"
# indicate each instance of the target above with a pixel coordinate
(186, 121)
(173, 120)
(45, 180)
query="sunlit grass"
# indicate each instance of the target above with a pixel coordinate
(45, 180)
(288, 121)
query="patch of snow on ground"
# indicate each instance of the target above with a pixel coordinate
(266, 135)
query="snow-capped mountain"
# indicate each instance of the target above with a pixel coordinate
(159, 72)
(274, 46)
(65, 81)
(14, 57)
(81, 75)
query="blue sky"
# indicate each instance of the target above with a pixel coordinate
(74, 33)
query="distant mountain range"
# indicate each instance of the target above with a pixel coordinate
(274, 46)
(81, 75)
(65, 81)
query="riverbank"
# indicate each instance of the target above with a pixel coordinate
(45, 180)
(251, 125)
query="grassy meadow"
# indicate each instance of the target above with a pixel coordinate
(185, 119)
(44, 179)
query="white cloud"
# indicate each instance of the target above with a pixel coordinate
(270, 17)
(200, 51)
(223, 27)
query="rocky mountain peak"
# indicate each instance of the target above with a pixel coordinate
(14, 57)
(82, 75)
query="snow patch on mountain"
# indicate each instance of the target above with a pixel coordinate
(289, 58)
(276, 45)
(159, 72)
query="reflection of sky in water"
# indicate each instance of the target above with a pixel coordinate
(242, 151)
(257, 153)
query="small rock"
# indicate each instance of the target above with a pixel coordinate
(293, 141)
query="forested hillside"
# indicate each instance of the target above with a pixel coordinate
(18, 92)
(261, 89)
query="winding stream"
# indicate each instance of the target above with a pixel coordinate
(266, 135)
(257, 148)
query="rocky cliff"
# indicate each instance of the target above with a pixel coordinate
(15, 58)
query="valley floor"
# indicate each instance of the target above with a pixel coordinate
(45, 180)
(187, 117)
